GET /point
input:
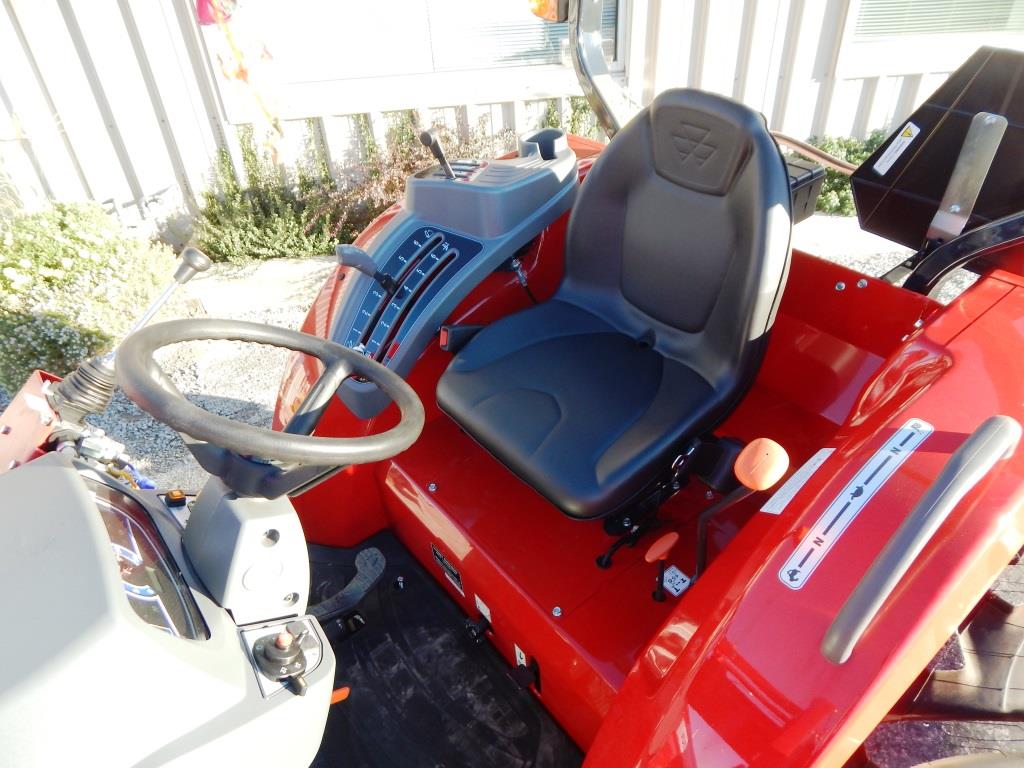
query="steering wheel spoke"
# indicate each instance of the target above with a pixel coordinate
(313, 405)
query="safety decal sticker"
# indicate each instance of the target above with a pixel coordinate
(777, 503)
(449, 570)
(898, 146)
(676, 582)
(851, 500)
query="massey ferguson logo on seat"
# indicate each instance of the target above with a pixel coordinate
(692, 142)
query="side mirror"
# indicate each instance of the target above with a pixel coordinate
(550, 10)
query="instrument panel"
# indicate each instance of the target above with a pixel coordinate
(418, 270)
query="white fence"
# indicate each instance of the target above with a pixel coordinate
(126, 101)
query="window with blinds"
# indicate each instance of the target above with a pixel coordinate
(496, 33)
(888, 18)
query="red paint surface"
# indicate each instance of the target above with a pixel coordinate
(729, 674)
(736, 676)
(26, 423)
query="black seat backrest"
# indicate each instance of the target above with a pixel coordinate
(680, 234)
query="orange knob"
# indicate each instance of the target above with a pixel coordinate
(659, 550)
(761, 464)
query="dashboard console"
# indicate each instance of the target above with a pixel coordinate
(114, 647)
(450, 234)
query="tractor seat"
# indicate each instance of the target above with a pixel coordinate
(675, 260)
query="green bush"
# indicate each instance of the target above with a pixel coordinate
(70, 281)
(836, 195)
(264, 218)
(581, 120)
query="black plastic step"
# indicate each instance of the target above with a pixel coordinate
(910, 743)
(991, 679)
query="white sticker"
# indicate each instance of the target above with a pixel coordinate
(777, 503)
(676, 582)
(896, 148)
(482, 607)
(811, 551)
(39, 406)
(520, 656)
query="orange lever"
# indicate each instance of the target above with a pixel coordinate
(659, 550)
(761, 464)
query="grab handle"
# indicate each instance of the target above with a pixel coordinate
(995, 439)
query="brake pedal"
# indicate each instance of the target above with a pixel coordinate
(370, 564)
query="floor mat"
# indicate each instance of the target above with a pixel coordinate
(422, 693)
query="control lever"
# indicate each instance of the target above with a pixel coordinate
(280, 657)
(478, 629)
(429, 140)
(193, 261)
(658, 553)
(88, 388)
(355, 257)
(759, 466)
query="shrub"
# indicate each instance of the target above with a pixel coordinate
(343, 210)
(580, 121)
(836, 195)
(70, 281)
(264, 218)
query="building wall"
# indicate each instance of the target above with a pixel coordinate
(126, 101)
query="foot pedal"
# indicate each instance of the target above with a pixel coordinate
(370, 564)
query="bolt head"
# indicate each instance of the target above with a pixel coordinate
(556, 611)
(954, 208)
(840, 286)
(432, 487)
(709, 494)
(862, 283)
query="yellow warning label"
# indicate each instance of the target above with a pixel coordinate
(896, 147)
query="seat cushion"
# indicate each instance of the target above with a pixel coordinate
(585, 414)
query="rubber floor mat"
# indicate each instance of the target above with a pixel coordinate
(422, 693)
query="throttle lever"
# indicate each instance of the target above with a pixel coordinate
(355, 257)
(429, 140)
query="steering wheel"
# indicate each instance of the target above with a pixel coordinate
(152, 390)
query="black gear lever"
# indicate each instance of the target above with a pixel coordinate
(429, 140)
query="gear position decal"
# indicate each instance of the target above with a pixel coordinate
(850, 501)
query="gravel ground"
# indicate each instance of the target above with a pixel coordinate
(233, 379)
(241, 380)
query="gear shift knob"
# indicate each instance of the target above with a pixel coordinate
(761, 464)
(193, 261)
